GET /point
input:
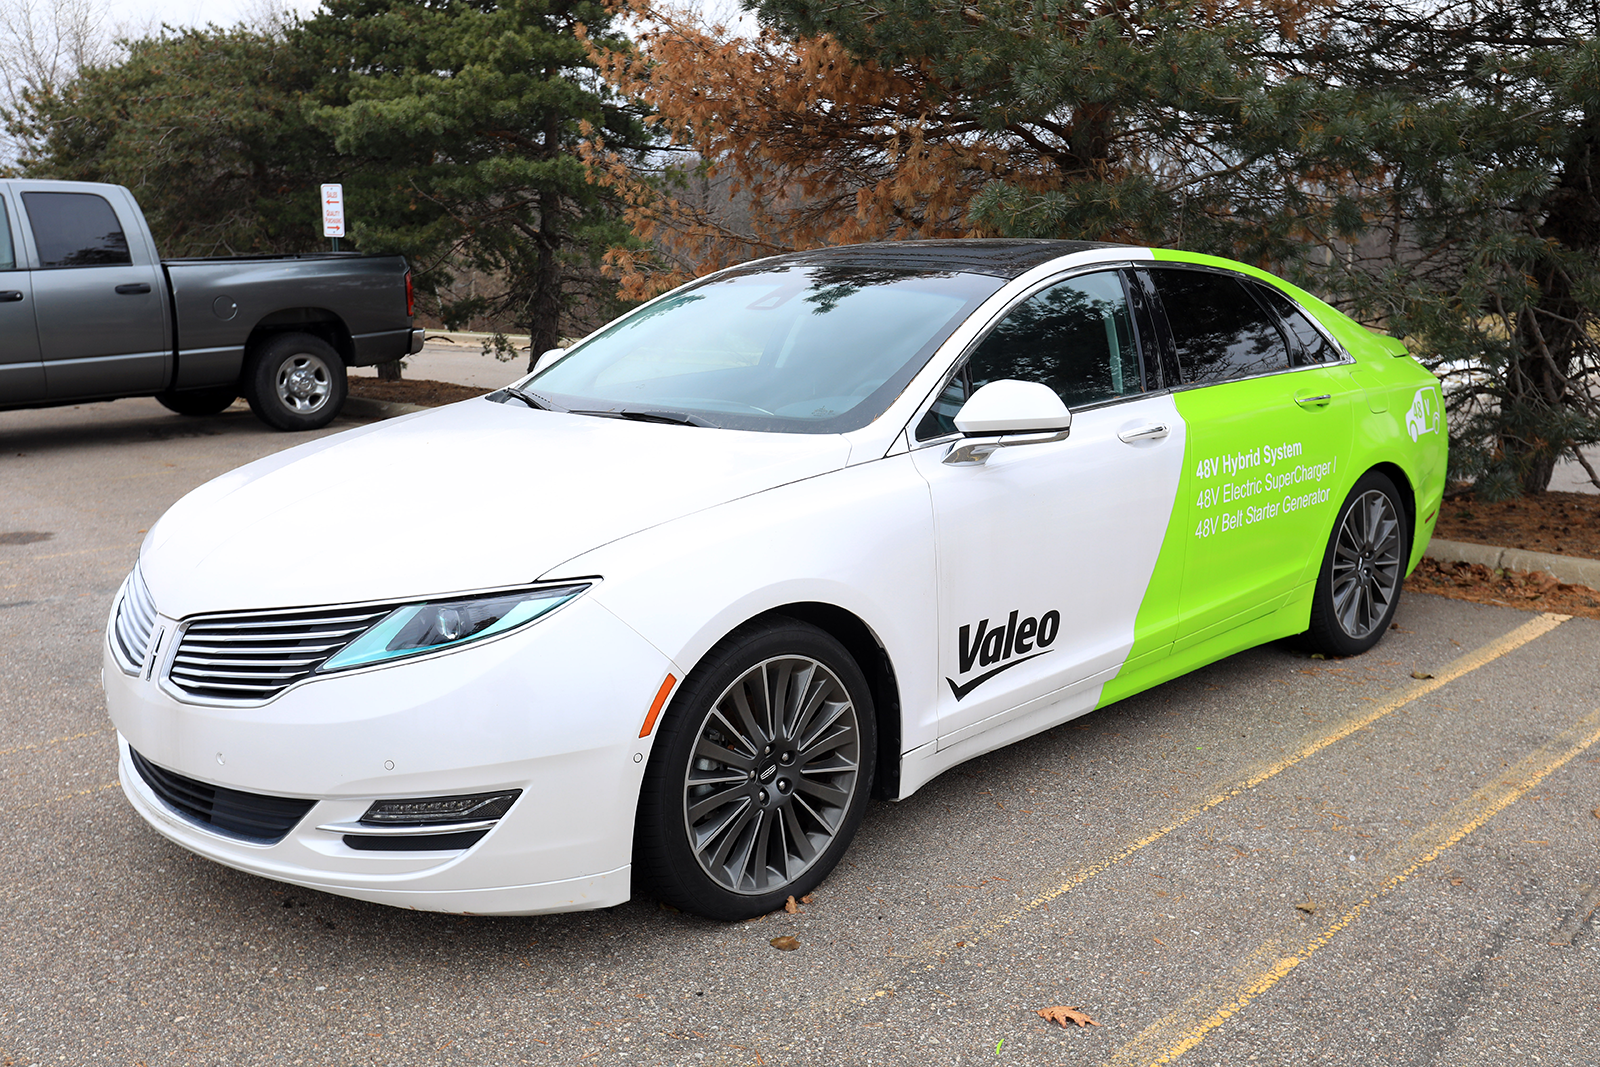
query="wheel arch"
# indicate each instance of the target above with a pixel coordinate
(318, 322)
(1408, 499)
(859, 639)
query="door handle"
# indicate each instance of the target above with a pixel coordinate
(133, 288)
(1318, 401)
(1153, 432)
(10, 296)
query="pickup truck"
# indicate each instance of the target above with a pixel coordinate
(89, 311)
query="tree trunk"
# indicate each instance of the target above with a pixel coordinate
(544, 302)
(390, 371)
(1554, 336)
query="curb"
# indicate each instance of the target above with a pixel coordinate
(1569, 569)
(361, 407)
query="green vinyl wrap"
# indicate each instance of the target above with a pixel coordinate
(1267, 467)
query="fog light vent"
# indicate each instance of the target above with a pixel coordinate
(431, 811)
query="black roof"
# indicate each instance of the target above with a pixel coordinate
(997, 258)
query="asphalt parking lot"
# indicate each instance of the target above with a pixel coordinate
(1393, 859)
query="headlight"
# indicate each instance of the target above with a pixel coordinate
(414, 629)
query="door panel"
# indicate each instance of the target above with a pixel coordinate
(1261, 477)
(1046, 550)
(21, 373)
(1262, 482)
(1045, 555)
(101, 314)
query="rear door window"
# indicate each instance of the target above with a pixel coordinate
(1220, 330)
(76, 230)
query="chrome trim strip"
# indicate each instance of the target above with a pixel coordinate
(369, 830)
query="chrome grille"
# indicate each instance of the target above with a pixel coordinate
(136, 621)
(256, 657)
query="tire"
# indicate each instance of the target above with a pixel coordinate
(211, 401)
(1363, 570)
(295, 381)
(740, 810)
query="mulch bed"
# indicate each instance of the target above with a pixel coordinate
(412, 391)
(1567, 524)
(1509, 589)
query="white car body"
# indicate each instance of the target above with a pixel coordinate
(684, 533)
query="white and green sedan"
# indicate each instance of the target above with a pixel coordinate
(661, 616)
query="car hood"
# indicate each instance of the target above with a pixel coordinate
(472, 496)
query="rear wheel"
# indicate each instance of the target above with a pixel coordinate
(295, 381)
(1362, 571)
(200, 401)
(760, 775)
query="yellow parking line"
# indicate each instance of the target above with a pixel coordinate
(52, 741)
(934, 949)
(1170, 1037)
(1528, 631)
(65, 796)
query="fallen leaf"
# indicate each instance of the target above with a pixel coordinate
(1065, 1015)
(785, 943)
(807, 898)
(791, 907)
(1309, 907)
(1421, 674)
(1318, 655)
(1596, 813)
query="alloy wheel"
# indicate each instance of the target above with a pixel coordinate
(776, 763)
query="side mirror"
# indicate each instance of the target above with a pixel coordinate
(1007, 413)
(547, 357)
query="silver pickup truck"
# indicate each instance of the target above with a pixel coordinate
(89, 311)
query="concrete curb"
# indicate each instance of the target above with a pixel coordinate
(360, 407)
(1569, 569)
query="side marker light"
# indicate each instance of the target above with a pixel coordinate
(656, 705)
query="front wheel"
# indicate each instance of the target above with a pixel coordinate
(295, 381)
(1362, 571)
(760, 775)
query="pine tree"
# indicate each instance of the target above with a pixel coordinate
(458, 122)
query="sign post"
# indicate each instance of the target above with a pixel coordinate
(333, 213)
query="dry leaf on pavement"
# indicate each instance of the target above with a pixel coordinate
(1064, 1015)
(785, 943)
(1421, 674)
(791, 907)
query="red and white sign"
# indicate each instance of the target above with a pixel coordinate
(333, 211)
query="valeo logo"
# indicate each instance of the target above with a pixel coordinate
(1005, 646)
(1423, 417)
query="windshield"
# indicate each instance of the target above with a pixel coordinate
(798, 349)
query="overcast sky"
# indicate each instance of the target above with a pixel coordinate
(138, 16)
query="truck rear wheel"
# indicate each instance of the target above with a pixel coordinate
(211, 401)
(295, 381)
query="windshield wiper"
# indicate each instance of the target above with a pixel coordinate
(535, 402)
(677, 418)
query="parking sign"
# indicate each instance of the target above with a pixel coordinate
(333, 211)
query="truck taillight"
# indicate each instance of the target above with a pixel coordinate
(411, 297)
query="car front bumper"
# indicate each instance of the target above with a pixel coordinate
(553, 710)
